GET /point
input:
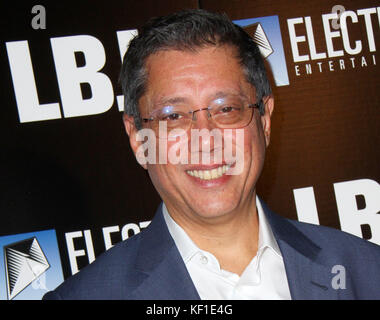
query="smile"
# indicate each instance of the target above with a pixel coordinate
(209, 174)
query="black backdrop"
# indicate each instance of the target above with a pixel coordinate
(78, 173)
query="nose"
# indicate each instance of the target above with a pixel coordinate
(201, 119)
(202, 137)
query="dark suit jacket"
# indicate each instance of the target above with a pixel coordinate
(149, 265)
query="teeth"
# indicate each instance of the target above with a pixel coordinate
(209, 174)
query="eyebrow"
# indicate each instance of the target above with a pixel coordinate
(218, 95)
(170, 101)
(224, 94)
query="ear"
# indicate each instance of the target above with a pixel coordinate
(131, 130)
(266, 117)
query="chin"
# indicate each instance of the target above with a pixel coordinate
(213, 209)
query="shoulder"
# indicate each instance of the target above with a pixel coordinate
(110, 275)
(355, 262)
(326, 241)
(359, 257)
(336, 240)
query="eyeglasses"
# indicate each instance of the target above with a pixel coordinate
(224, 115)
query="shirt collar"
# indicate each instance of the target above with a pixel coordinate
(188, 248)
(266, 236)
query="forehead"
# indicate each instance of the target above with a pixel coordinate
(190, 75)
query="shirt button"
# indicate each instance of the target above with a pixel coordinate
(204, 259)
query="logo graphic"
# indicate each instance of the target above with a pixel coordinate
(24, 263)
(30, 266)
(258, 35)
(266, 32)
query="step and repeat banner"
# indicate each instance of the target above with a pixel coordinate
(70, 187)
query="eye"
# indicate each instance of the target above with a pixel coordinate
(173, 117)
(228, 109)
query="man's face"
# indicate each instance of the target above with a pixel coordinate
(196, 79)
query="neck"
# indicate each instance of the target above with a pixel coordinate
(232, 239)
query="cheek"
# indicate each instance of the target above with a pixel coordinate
(165, 173)
(254, 147)
(163, 178)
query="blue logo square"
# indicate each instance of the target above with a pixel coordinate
(30, 265)
(271, 36)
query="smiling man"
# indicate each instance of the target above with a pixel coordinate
(212, 237)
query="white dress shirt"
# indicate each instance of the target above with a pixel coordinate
(263, 279)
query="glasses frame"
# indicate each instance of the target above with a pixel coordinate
(209, 116)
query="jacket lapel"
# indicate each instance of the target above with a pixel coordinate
(165, 276)
(308, 277)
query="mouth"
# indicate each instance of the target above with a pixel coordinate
(211, 174)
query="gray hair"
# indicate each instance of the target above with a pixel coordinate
(188, 30)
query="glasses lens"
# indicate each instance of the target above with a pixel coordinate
(173, 120)
(231, 116)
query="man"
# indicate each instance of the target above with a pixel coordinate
(212, 237)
